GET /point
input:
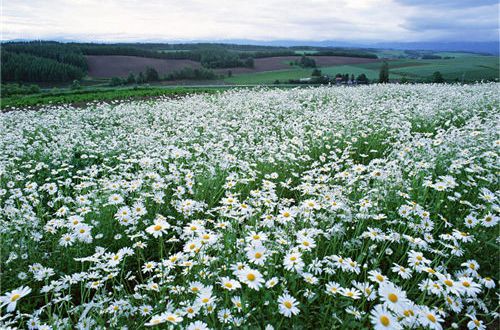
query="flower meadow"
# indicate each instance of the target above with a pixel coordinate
(369, 207)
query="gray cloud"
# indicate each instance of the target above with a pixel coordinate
(360, 20)
(449, 3)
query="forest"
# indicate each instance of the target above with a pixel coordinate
(54, 62)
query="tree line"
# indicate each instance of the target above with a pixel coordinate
(30, 68)
(151, 75)
(41, 62)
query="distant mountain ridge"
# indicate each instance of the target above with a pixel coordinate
(489, 47)
(484, 47)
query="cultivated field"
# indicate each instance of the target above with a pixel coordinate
(466, 67)
(283, 62)
(120, 66)
(369, 207)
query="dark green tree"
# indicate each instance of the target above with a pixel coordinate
(75, 85)
(249, 63)
(316, 73)
(437, 77)
(152, 74)
(404, 79)
(383, 76)
(140, 78)
(115, 81)
(362, 79)
(131, 78)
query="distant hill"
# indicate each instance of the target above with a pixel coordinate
(490, 47)
(484, 47)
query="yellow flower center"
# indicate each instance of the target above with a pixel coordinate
(393, 298)
(466, 284)
(380, 278)
(157, 227)
(287, 304)
(431, 318)
(448, 283)
(228, 285)
(258, 255)
(251, 277)
(385, 321)
(408, 312)
(15, 297)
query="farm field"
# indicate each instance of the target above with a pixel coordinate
(96, 95)
(353, 208)
(120, 66)
(463, 66)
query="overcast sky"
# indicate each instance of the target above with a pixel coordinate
(315, 20)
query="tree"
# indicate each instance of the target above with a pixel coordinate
(307, 62)
(316, 73)
(249, 63)
(75, 85)
(362, 79)
(437, 77)
(131, 78)
(140, 78)
(115, 81)
(152, 74)
(383, 76)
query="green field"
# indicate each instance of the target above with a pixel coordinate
(268, 77)
(103, 94)
(465, 66)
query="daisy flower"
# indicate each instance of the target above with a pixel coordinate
(382, 319)
(159, 228)
(252, 278)
(10, 298)
(288, 305)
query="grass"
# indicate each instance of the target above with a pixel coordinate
(269, 77)
(469, 68)
(104, 94)
(466, 66)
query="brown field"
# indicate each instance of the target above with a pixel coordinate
(106, 66)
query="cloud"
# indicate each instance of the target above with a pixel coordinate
(449, 3)
(360, 20)
(444, 20)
